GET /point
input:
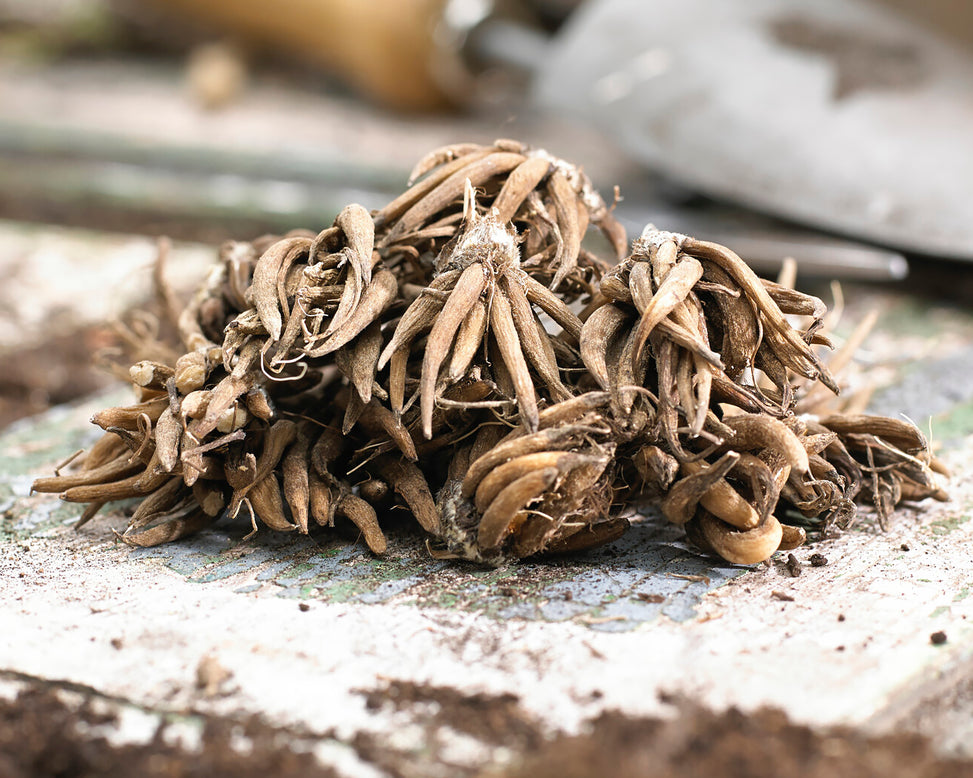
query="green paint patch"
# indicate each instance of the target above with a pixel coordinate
(949, 524)
(942, 610)
(956, 423)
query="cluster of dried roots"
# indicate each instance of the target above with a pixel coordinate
(464, 354)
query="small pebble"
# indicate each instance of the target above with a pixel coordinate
(905, 547)
(937, 638)
(841, 617)
(818, 560)
(304, 607)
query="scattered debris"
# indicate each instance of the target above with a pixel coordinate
(42, 735)
(793, 565)
(211, 675)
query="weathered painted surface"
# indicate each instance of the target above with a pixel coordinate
(845, 642)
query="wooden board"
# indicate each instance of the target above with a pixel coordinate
(309, 628)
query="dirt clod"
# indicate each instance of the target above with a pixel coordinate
(937, 638)
(733, 745)
(42, 735)
(818, 560)
(793, 565)
(210, 676)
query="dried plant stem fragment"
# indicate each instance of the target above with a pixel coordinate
(725, 502)
(263, 288)
(441, 156)
(503, 329)
(752, 430)
(507, 473)
(791, 537)
(267, 502)
(679, 505)
(600, 329)
(553, 306)
(378, 296)
(402, 203)
(522, 181)
(902, 434)
(469, 339)
(654, 307)
(408, 481)
(467, 291)
(364, 517)
(115, 470)
(169, 530)
(162, 500)
(531, 340)
(742, 547)
(565, 205)
(295, 467)
(498, 518)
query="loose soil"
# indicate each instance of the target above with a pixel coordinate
(42, 735)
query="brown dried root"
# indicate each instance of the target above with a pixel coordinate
(545, 491)
(541, 196)
(465, 342)
(480, 305)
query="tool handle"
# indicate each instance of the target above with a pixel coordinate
(383, 48)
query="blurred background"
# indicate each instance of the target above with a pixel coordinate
(836, 132)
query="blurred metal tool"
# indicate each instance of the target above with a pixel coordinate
(837, 114)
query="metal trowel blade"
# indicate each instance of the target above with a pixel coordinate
(837, 114)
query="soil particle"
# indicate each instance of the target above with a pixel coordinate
(793, 565)
(818, 560)
(304, 607)
(783, 596)
(937, 638)
(210, 676)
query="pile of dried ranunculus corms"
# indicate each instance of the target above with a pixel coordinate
(462, 352)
